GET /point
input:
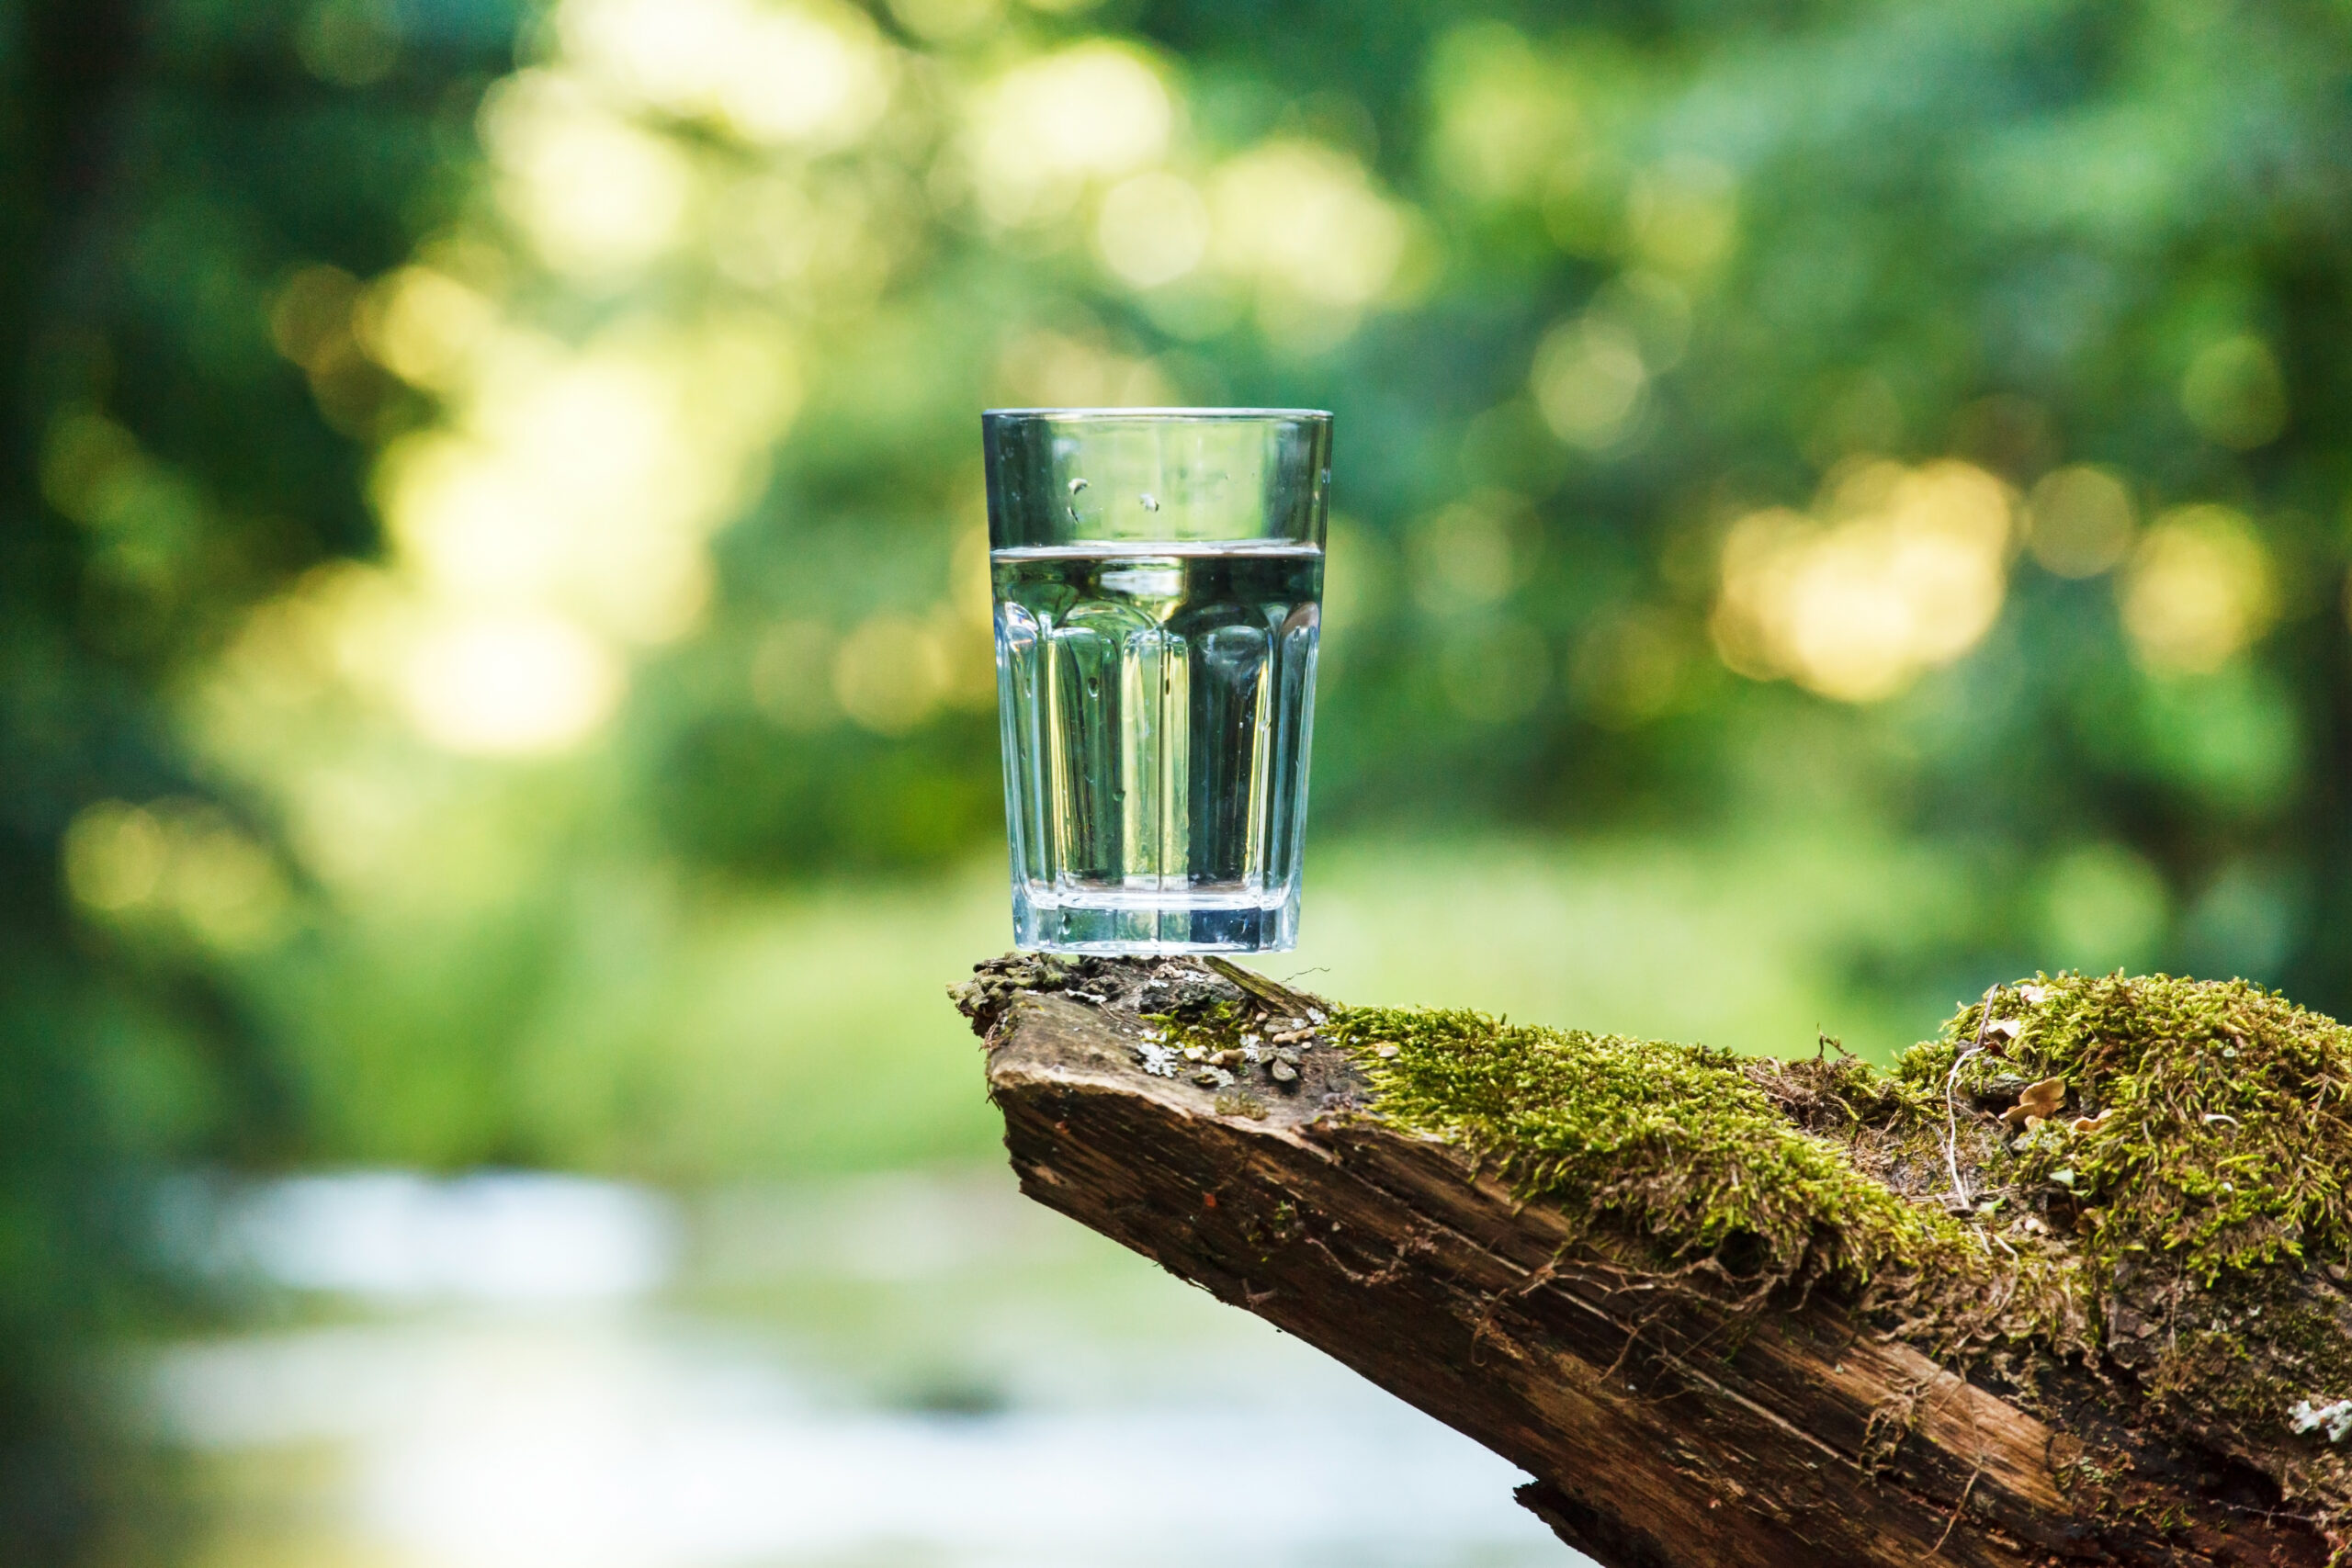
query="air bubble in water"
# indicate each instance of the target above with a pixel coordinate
(1077, 485)
(1151, 501)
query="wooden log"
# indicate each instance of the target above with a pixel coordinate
(1669, 1417)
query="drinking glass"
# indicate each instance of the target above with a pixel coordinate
(1158, 579)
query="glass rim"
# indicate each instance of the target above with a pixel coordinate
(1157, 415)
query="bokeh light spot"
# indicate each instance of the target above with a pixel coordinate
(1094, 110)
(1505, 122)
(1630, 666)
(1905, 571)
(181, 861)
(310, 312)
(1684, 213)
(1050, 369)
(891, 673)
(792, 674)
(1305, 223)
(2234, 393)
(598, 196)
(2080, 521)
(947, 21)
(809, 73)
(90, 467)
(514, 684)
(114, 855)
(421, 324)
(1465, 557)
(2199, 590)
(1587, 377)
(1152, 229)
(1655, 309)
(350, 43)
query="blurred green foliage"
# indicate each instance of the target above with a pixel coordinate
(159, 170)
(495, 645)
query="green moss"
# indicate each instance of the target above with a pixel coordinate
(2163, 1218)
(2220, 1114)
(1678, 1147)
(2207, 1122)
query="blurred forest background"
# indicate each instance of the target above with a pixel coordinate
(1838, 501)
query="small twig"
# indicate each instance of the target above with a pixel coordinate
(1951, 1108)
(1966, 1491)
(1269, 993)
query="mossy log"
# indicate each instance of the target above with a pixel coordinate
(2027, 1299)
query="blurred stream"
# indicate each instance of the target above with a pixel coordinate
(533, 1371)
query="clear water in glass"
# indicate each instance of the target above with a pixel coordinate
(1156, 702)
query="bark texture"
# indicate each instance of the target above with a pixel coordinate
(1667, 1422)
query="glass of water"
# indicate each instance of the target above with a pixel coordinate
(1159, 584)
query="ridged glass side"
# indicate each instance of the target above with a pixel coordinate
(1157, 705)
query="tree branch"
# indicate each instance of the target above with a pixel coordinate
(1667, 1418)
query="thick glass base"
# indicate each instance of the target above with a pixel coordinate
(1127, 922)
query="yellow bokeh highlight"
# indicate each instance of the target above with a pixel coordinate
(560, 512)
(2080, 521)
(1152, 229)
(311, 311)
(969, 647)
(1306, 221)
(1588, 378)
(509, 684)
(147, 516)
(313, 322)
(970, 589)
(1505, 125)
(808, 75)
(1467, 557)
(893, 671)
(1903, 570)
(176, 860)
(2103, 906)
(588, 480)
(947, 21)
(1630, 667)
(340, 629)
(1682, 213)
(686, 172)
(598, 196)
(791, 674)
(423, 325)
(115, 855)
(1096, 111)
(1050, 369)
(1653, 308)
(2199, 590)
